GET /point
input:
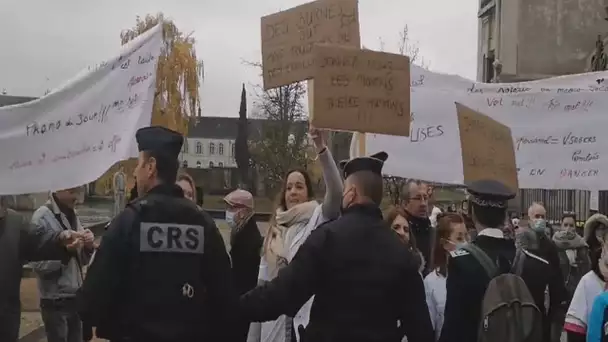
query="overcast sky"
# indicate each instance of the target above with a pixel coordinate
(44, 43)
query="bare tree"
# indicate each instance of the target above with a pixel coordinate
(406, 46)
(283, 142)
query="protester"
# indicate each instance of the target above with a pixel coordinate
(188, 185)
(58, 281)
(543, 274)
(568, 222)
(574, 261)
(21, 242)
(415, 199)
(435, 210)
(591, 284)
(395, 218)
(472, 273)
(162, 272)
(297, 215)
(451, 233)
(364, 281)
(245, 245)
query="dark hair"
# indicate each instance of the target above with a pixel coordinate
(569, 214)
(370, 184)
(439, 256)
(311, 194)
(489, 217)
(166, 167)
(391, 214)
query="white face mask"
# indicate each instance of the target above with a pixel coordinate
(230, 219)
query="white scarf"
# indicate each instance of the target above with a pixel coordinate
(275, 248)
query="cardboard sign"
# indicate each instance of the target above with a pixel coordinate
(288, 38)
(487, 148)
(361, 91)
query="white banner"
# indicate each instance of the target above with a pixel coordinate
(73, 135)
(557, 127)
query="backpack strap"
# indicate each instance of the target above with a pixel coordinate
(483, 258)
(518, 263)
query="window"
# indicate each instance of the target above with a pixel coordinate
(185, 164)
(198, 164)
(185, 147)
(233, 148)
(221, 149)
(211, 148)
(199, 148)
(220, 164)
(210, 164)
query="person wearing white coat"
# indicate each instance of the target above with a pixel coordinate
(450, 233)
(297, 215)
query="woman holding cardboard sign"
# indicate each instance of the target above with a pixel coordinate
(297, 215)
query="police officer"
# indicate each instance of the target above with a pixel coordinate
(365, 283)
(467, 280)
(162, 272)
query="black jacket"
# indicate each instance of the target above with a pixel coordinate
(161, 273)
(21, 243)
(467, 282)
(422, 230)
(245, 251)
(363, 280)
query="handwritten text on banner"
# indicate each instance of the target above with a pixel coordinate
(288, 38)
(557, 126)
(361, 90)
(73, 135)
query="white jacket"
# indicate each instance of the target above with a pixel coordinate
(436, 292)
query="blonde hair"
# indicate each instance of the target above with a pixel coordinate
(184, 176)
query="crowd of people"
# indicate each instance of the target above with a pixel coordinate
(336, 270)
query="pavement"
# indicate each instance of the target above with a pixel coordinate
(32, 329)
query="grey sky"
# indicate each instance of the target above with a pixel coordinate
(44, 43)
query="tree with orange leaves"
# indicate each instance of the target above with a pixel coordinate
(178, 77)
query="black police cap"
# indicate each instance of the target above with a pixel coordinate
(160, 140)
(490, 193)
(373, 163)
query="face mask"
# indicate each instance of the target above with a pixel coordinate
(539, 225)
(458, 245)
(230, 219)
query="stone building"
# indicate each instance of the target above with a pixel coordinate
(536, 39)
(533, 39)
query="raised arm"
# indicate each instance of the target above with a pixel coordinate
(331, 176)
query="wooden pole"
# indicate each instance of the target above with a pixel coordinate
(362, 151)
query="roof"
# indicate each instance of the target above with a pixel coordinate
(218, 127)
(8, 100)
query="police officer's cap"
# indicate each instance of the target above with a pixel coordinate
(161, 140)
(373, 163)
(489, 193)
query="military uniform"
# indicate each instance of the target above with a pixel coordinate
(467, 280)
(162, 272)
(364, 281)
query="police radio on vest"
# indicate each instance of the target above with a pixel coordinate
(171, 238)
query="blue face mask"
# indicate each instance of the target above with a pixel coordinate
(230, 219)
(539, 225)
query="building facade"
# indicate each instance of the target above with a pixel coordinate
(534, 39)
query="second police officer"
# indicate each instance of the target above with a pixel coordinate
(494, 291)
(162, 272)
